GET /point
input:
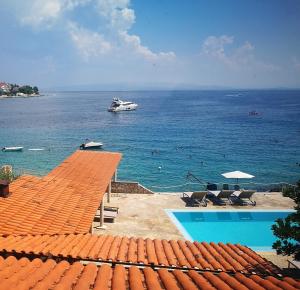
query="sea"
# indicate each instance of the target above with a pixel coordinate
(175, 141)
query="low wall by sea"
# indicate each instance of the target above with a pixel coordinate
(129, 187)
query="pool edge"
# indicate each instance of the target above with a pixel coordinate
(187, 236)
(178, 225)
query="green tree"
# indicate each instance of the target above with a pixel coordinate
(6, 175)
(26, 90)
(36, 90)
(288, 230)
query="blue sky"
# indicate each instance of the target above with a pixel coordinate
(171, 44)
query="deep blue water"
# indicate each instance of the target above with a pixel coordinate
(205, 132)
(232, 227)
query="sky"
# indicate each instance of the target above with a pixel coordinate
(150, 44)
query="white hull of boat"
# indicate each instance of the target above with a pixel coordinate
(124, 108)
(12, 149)
(91, 145)
(118, 106)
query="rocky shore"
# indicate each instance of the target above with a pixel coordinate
(19, 96)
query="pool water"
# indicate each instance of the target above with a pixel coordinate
(250, 228)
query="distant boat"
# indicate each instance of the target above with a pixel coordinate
(91, 145)
(12, 149)
(253, 113)
(117, 105)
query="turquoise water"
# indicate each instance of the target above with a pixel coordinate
(244, 227)
(172, 132)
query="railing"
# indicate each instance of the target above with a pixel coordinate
(190, 186)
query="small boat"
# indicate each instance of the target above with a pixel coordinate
(12, 149)
(253, 113)
(117, 105)
(91, 145)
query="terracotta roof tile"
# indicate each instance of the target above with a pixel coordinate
(36, 274)
(64, 201)
(173, 254)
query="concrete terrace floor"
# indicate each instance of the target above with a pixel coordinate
(144, 215)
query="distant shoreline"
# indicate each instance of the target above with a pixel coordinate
(19, 96)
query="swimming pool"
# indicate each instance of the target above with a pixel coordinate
(250, 228)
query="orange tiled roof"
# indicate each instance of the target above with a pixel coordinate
(64, 201)
(36, 274)
(88, 167)
(172, 254)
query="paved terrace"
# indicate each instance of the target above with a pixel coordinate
(143, 215)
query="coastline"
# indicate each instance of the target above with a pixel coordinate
(60, 121)
(16, 96)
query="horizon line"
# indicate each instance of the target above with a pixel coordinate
(165, 89)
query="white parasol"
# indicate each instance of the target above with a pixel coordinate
(237, 175)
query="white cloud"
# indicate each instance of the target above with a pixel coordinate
(116, 18)
(214, 46)
(241, 57)
(71, 4)
(117, 13)
(134, 43)
(44, 13)
(89, 43)
(120, 18)
(107, 6)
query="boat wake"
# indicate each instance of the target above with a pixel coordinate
(36, 149)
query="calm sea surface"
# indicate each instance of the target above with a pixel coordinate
(172, 133)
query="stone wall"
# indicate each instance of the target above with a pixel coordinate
(129, 187)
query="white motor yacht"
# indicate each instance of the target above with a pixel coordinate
(12, 149)
(91, 145)
(117, 105)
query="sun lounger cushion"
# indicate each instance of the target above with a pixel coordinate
(188, 194)
(244, 197)
(214, 192)
(196, 197)
(111, 208)
(110, 214)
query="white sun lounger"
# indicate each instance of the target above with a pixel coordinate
(109, 213)
(244, 197)
(221, 196)
(196, 197)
